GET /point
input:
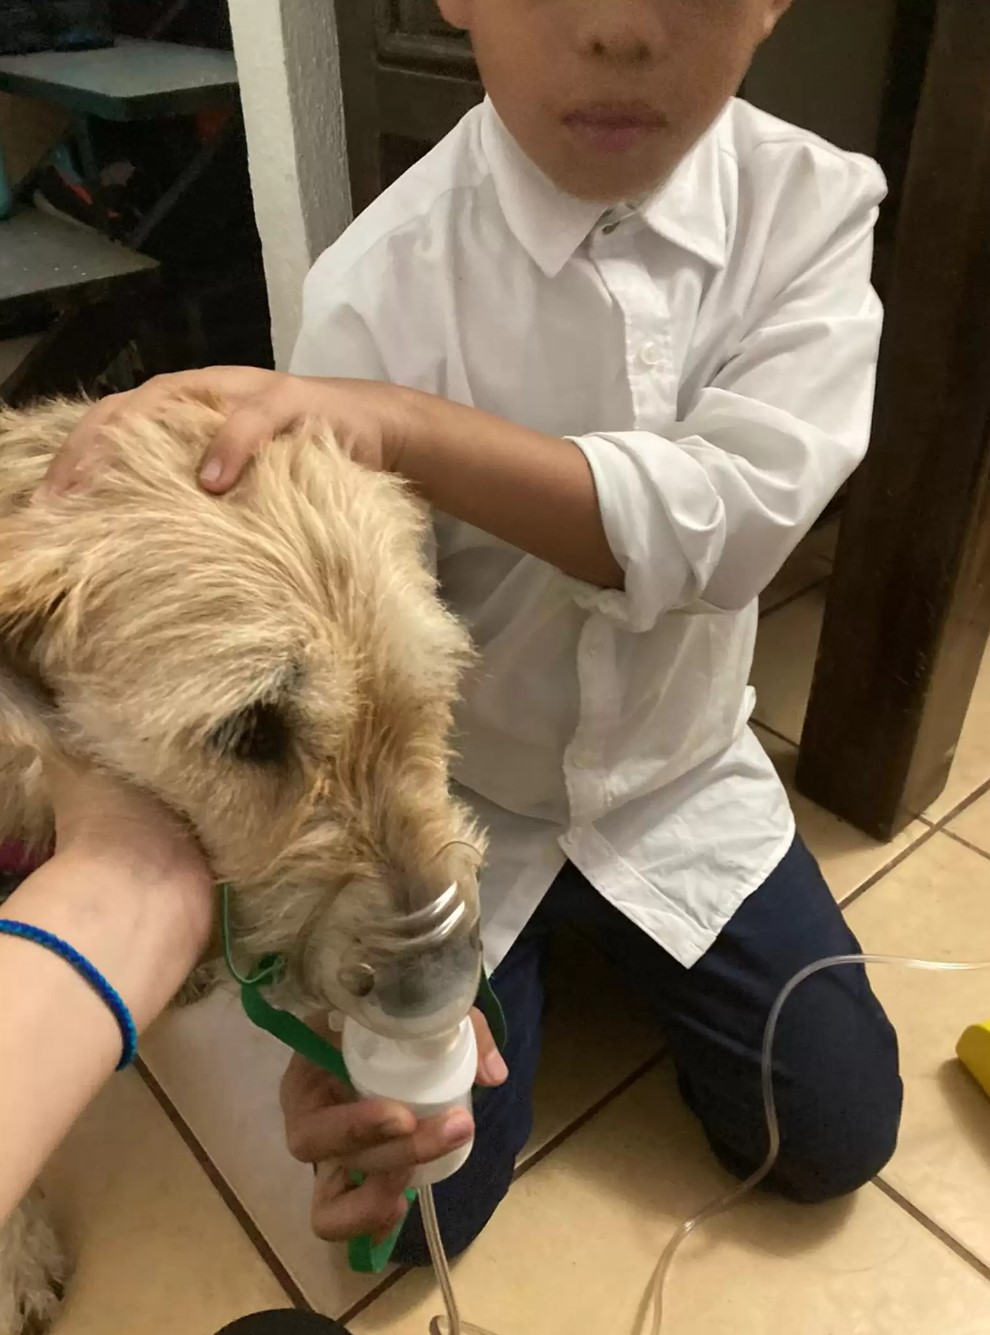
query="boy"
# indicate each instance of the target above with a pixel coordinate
(620, 334)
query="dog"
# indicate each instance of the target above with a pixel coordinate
(275, 665)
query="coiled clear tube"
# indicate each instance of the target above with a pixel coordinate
(658, 1284)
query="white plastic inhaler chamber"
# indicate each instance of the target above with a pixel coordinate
(404, 968)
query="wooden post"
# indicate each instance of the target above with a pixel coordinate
(909, 604)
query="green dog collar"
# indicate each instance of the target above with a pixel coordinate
(363, 1255)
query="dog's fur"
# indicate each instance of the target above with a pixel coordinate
(273, 664)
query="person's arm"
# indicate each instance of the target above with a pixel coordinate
(127, 888)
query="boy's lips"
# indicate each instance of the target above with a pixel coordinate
(613, 127)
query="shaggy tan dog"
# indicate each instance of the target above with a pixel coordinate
(273, 664)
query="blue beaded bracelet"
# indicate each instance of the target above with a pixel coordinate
(103, 989)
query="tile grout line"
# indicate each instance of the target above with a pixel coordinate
(755, 722)
(958, 839)
(933, 828)
(581, 1121)
(226, 1192)
(929, 833)
(962, 805)
(935, 1229)
(379, 1291)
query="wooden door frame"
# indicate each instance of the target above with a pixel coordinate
(908, 611)
(409, 86)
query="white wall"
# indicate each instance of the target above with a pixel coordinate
(289, 74)
(824, 68)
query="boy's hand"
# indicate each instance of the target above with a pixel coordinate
(327, 1127)
(364, 416)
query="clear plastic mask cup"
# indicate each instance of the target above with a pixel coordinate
(402, 957)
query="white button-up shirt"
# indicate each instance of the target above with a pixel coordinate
(712, 351)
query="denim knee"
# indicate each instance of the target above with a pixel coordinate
(837, 1168)
(839, 1126)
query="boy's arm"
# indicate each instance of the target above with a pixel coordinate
(707, 513)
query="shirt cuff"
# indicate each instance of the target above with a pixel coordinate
(663, 522)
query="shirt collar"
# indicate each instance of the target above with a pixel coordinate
(550, 225)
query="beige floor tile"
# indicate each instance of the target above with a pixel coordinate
(971, 763)
(973, 824)
(935, 905)
(785, 661)
(846, 855)
(222, 1075)
(156, 1249)
(572, 1250)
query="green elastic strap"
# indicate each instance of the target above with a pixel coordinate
(363, 1255)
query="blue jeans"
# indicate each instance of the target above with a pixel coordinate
(836, 1063)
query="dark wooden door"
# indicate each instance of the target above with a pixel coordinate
(407, 79)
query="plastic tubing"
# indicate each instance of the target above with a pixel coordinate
(453, 1324)
(441, 1267)
(658, 1284)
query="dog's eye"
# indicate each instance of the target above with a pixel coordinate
(258, 735)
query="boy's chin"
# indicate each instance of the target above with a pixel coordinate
(608, 188)
(605, 181)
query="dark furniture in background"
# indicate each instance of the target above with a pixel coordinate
(176, 279)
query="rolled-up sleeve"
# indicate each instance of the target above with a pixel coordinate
(707, 516)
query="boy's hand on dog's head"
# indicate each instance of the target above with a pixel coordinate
(327, 1127)
(364, 416)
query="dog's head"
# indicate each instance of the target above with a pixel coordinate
(273, 664)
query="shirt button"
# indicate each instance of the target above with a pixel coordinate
(584, 758)
(650, 354)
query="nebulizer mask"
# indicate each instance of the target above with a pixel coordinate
(399, 960)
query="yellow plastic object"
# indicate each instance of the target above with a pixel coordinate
(973, 1050)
